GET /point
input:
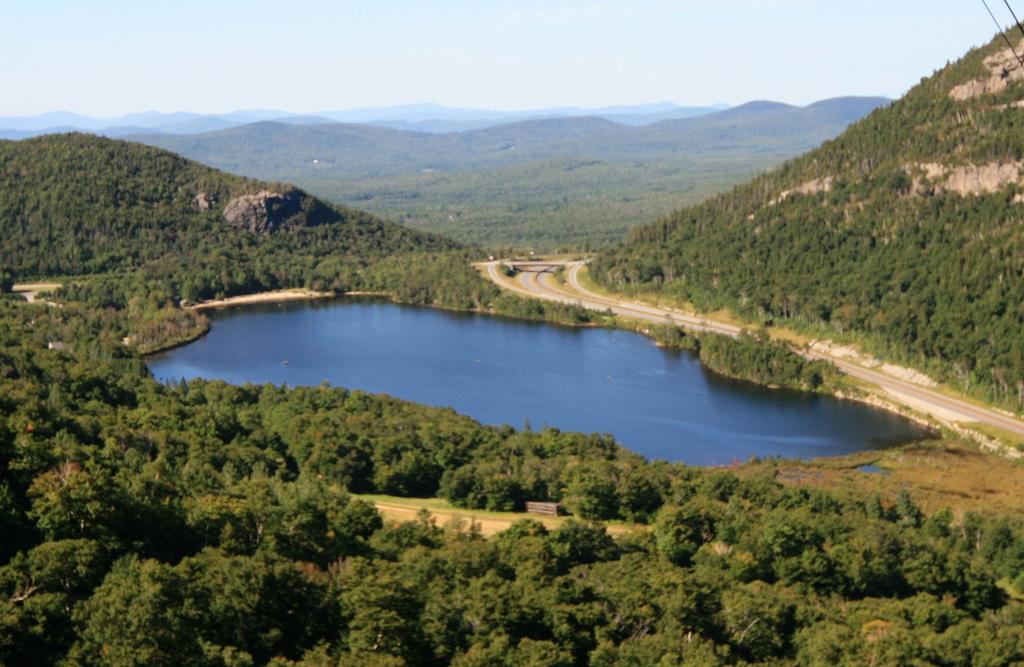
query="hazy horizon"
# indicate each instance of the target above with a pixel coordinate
(114, 58)
(626, 105)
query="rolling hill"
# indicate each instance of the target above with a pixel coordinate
(134, 231)
(77, 204)
(543, 182)
(904, 234)
(416, 117)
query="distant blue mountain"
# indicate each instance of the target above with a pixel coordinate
(432, 118)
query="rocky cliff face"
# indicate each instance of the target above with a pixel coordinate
(203, 201)
(263, 212)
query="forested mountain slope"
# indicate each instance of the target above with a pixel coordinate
(542, 183)
(904, 233)
(80, 204)
(138, 229)
(83, 205)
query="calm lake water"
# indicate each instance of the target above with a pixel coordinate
(662, 404)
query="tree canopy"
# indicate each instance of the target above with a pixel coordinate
(209, 524)
(903, 234)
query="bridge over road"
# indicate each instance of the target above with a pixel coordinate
(534, 266)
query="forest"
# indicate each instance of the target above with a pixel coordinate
(76, 205)
(208, 524)
(758, 359)
(856, 241)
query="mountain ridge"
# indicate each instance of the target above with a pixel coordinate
(432, 118)
(540, 183)
(902, 234)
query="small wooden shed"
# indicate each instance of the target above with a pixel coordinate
(547, 509)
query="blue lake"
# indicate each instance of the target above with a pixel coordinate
(662, 404)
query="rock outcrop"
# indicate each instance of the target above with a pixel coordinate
(974, 180)
(809, 188)
(203, 201)
(1003, 68)
(263, 212)
(829, 348)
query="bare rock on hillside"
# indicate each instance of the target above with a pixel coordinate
(1003, 68)
(263, 212)
(848, 353)
(203, 201)
(974, 180)
(809, 188)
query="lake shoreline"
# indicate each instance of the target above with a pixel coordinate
(870, 399)
(275, 296)
(255, 299)
(687, 421)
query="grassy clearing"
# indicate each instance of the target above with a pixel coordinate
(19, 288)
(948, 473)
(789, 336)
(583, 275)
(395, 508)
(943, 473)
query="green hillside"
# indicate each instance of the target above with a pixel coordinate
(547, 183)
(905, 234)
(138, 230)
(77, 204)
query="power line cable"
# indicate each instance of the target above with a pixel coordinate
(1014, 15)
(1003, 33)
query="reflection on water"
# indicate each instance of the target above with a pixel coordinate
(662, 404)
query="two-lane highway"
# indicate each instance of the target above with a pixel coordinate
(536, 280)
(538, 284)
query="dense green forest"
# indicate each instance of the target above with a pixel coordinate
(757, 359)
(140, 230)
(81, 205)
(542, 183)
(903, 234)
(207, 524)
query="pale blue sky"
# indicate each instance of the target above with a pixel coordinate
(109, 57)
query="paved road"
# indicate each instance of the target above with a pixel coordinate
(539, 284)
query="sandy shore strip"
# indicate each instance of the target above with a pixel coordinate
(264, 297)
